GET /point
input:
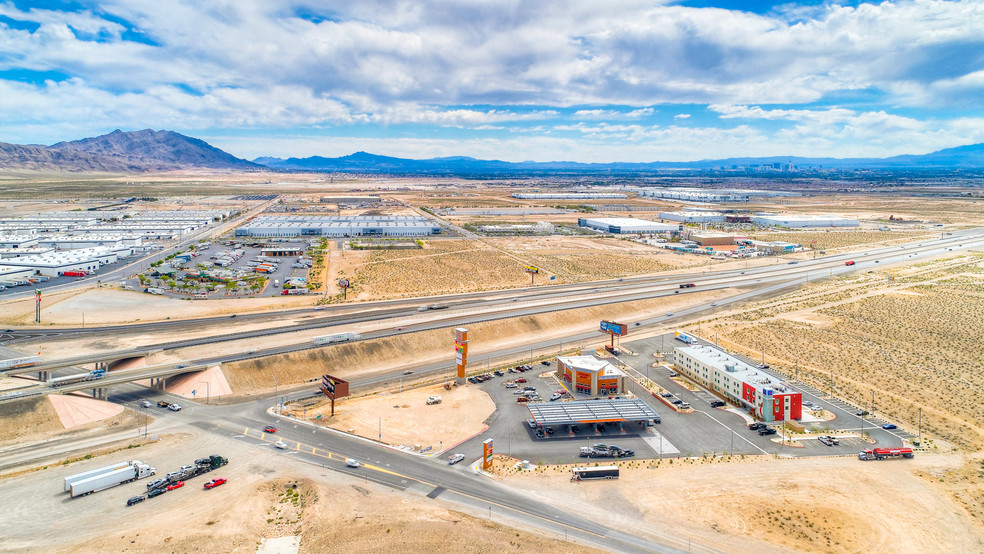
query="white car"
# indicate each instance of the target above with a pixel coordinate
(174, 407)
(144, 403)
(455, 459)
(280, 444)
(352, 462)
(511, 385)
(555, 396)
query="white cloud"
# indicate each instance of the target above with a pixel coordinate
(682, 116)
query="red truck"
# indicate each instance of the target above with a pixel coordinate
(74, 273)
(882, 453)
(851, 262)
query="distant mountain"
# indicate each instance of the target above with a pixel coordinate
(119, 151)
(971, 156)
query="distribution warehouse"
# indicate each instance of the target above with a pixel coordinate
(626, 225)
(339, 226)
(796, 221)
(567, 195)
(739, 382)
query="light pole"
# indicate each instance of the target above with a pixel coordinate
(207, 390)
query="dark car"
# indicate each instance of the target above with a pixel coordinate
(676, 401)
(717, 404)
(890, 426)
(575, 429)
(163, 404)
(862, 413)
(549, 430)
(544, 362)
(539, 434)
(767, 431)
(136, 500)
(156, 492)
(667, 395)
(601, 428)
(756, 426)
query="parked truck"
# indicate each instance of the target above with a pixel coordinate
(683, 337)
(152, 290)
(92, 473)
(882, 453)
(136, 470)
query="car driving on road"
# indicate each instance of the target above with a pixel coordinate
(270, 429)
(455, 458)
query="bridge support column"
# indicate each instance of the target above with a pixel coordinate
(163, 383)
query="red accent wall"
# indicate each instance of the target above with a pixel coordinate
(748, 392)
(795, 406)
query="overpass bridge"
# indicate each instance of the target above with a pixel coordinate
(157, 375)
(101, 361)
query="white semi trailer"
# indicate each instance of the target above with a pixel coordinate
(92, 473)
(136, 470)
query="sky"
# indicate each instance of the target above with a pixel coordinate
(589, 81)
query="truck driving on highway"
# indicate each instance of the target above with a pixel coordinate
(882, 453)
(88, 484)
(78, 378)
(337, 337)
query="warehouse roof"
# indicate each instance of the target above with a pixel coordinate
(590, 411)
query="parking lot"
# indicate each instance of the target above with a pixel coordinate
(705, 431)
(242, 267)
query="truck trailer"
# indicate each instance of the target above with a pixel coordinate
(882, 453)
(78, 378)
(600, 472)
(92, 473)
(103, 481)
(337, 337)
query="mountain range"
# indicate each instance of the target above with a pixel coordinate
(119, 151)
(148, 150)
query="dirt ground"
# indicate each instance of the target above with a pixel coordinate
(35, 419)
(405, 419)
(403, 351)
(268, 495)
(914, 341)
(768, 504)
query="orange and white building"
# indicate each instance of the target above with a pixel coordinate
(589, 375)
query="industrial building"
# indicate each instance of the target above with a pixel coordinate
(18, 241)
(567, 195)
(57, 263)
(712, 239)
(802, 221)
(739, 382)
(339, 226)
(589, 375)
(10, 274)
(538, 228)
(774, 247)
(693, 217)
(695, 195)
(626, 225)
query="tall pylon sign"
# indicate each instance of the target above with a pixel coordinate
(461, 350)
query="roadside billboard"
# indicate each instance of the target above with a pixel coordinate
(531, 269)
(334, 387)
(615, 329)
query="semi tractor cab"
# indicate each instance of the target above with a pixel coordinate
(882, 453)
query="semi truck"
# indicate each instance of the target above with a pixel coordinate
(136, 470)
(432, 307)
(600, 472)
(78, 378)
(683, 337)
(92, 473)
(151, 290)
(337, 337)
(605, 451)
(882, 453)
(74, 273)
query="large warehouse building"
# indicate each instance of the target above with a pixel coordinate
(339, 226)
(693, 217)
(626, 225)
(567, 195)
(589, 375)
(800, 221)
(739, 382)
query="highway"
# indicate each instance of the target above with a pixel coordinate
(752, 282)
(433, 477)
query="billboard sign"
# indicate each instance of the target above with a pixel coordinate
(344, 283)
(333, 387)
(615, 329)
(531, 269)
(487, 454)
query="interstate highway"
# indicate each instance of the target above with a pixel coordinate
(613, 291)
(767, 280)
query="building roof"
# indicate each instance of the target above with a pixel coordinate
(590, 364)
(628, 222)
(590, 411)
(713, 356)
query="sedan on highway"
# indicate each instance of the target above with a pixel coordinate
(174, 407)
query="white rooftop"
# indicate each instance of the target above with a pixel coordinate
(713, 356)
(590, 363)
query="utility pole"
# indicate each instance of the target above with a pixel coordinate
(920, 423)
(872, 402)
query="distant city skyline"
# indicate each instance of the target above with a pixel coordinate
(618, 81)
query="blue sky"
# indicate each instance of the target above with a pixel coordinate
(619, 80)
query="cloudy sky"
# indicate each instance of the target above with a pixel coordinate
(612, 80)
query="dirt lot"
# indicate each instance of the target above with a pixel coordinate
(835, 239)
(915, 342)
(768, 504)
(404, 418)
(34, 419)
(268, 495)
